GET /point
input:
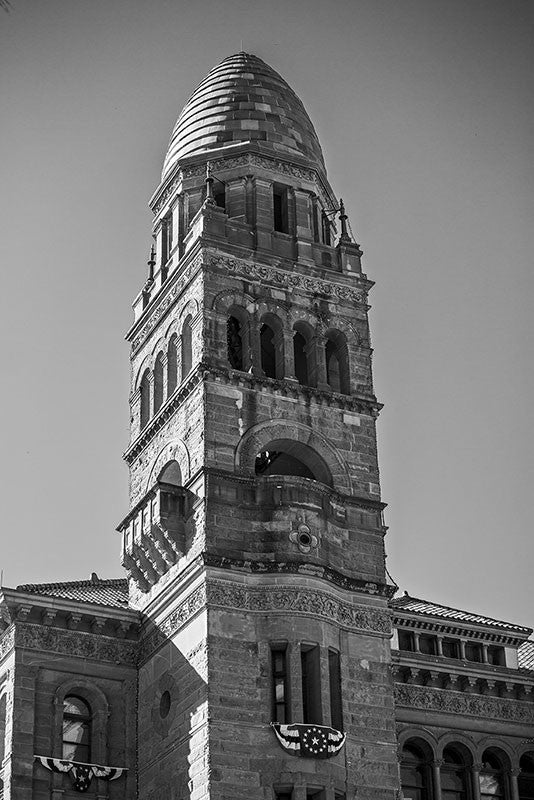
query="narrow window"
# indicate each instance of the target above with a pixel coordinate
(76, 730)
(414, 773)
(301, 359)
(406, 641)
(2, 728)
(172, 366)
(325, 229)
(187, 354)
(280, 210)
(219, 194)
(334, 676)
(333, 371)
(166, 238)
(473, 651)
(145, 399)
(453, 776)
(158, 383)
(496, 656)
(526, 777)
(311, 684)
(491, 777)
(283, 794)
(450, 648)
(279, 683)
(268, 351)
(234, 340)
(427, 645)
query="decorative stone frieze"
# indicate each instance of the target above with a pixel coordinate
(7, 642)
(450, 702)
(78, 645)
(288, 279)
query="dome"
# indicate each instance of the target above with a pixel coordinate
(243, 100)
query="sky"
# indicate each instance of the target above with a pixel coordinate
(424, 112)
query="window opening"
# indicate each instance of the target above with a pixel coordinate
(158, 383)
(453, 776)
(187, 354)
(451, 648)
(473, 651)
(491, 777)
(311, 684)
(76, 730)
(280, 706)
(280, 209)
(165, 704)
(172, 366)
(234, 343)
(427, 645)
(219, 194)
(333, 369)
(525, 779)
(325, 229)
(414, 773)
(271, 462)
(268, 351)
(301, 359)
(145, 399)
(406, 641)
(334, 675)
(496, 656)
(283, 794)
(166, 238)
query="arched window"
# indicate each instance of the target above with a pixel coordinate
(303, 357)
(415, 773)
(268, 351)
(187, 347)
(454, 781)
(337, 362)
(158, 383)
(76, 730)
(145, 398)
(2, 728)
(234, 342)
(525, 780)
(491, 776)
(172, 366)
(287, 457)
(171, 473)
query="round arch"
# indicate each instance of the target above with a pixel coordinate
(176, 450)
(259, 436)
(98, 703)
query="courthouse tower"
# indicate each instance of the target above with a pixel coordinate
(254, 542)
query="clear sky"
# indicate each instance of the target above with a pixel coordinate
(424, 109)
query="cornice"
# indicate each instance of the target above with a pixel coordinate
(428, 624)
(185, 272)
(451, 702)
(291, 279)
(360, 402)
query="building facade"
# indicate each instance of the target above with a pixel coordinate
(255, 648)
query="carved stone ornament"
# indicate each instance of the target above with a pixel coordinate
(7, 642)
(167, 301)
(303, 538)
(297, 601)
(451, 702)
(291, 280)
(73, 643)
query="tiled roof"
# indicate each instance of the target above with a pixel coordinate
(422, 607)
(112, 592)
(525, 656)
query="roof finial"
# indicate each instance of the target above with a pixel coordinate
(210, 200)
(343, 219)
(151, 262)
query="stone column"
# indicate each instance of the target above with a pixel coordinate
(512, 779)
(436, 778)
(475, 780)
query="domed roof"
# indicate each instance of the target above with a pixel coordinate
(243, 100)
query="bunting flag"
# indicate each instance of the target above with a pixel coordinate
(81, 774)
(309, 741)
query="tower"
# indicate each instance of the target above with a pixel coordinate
(254, 541)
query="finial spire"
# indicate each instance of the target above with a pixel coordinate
(343, 219)
(151, 263)
(210, 200)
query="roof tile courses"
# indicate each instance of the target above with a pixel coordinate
(424, 608)
(112, 592)
(525, 656)
(242, 82)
